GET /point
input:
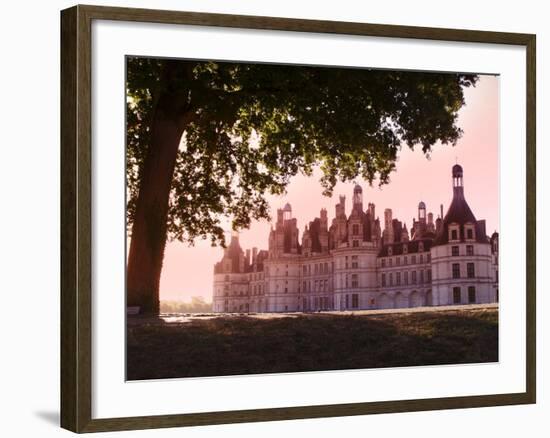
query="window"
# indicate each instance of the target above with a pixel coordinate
(397, 261)
(355, 243)
(413, 277)
(391, 279)
(305, 270)
(413, 259)
(455, 251)
(421, 277)
(470, 270)
(398, 278)
(454, 234)
(346, 262)
(429, 275)
(420, 247)
(304, 286)
(405, 260)
(354, 281)
(456, 295)
(383, 280)
(355, 301)
(428, 258)
(390, 262)
(347, 301)
(470, 250)
(421, 258)
(286, 290)
(355, 229)
(383, 263)
(469, 233)
(456, 270)
(471, 294)
(326, 268)
(354, 262)
(406, 277)
(405, 250)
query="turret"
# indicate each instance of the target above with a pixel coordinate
(458, 183)
(287, 212)
(422, 212)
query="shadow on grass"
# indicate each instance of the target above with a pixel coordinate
(243, 345)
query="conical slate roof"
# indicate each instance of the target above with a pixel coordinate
(459, 212)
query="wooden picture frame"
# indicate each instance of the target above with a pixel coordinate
(76, 218)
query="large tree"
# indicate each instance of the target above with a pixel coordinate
(207, 141)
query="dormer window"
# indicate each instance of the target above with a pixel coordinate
(420, 246)
(469, 232)
(405, 249)
(453, 233)
(390, 251)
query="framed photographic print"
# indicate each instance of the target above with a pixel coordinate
(270, 218)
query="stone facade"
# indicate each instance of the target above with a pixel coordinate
(355, 264)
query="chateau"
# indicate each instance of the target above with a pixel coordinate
(358, 263)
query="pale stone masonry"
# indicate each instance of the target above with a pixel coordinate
(354, 264)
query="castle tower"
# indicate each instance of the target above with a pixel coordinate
(462, 262)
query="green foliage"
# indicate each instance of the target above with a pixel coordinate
(249, 128)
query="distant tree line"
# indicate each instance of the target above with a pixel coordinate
(195, 306)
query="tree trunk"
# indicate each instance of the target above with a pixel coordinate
(148, 238)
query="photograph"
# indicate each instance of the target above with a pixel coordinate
(287, 218)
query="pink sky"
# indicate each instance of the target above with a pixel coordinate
(187, 271)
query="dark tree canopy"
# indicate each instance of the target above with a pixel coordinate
(248, 128)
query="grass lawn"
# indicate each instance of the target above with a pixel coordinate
(309, 342)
